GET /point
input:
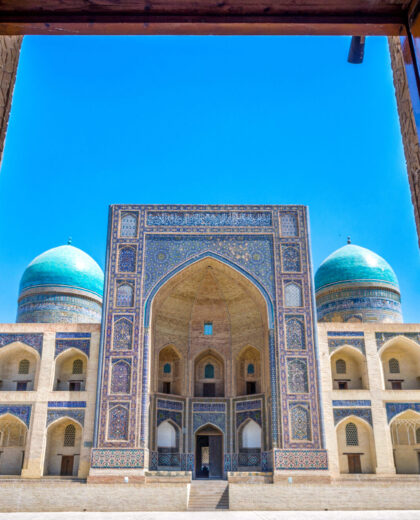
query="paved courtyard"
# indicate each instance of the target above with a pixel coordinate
(222, 515)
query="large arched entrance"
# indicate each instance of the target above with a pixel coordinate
(209, 365)
(209, 452)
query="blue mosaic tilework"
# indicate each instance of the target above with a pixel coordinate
(66, 404)
(291, 258)
(129, 221)
(58, 308)
(300, 459)
(209, 407)
(22, 412)
(252, 253)
(342, 413)
(204, 218)
(297, 376)
(300, 422)
(32, 340)
(363, 307)
(163, 415)
(295, 332)
(118, 421)
(117, 458)
(187, 461)
(345, 333)
(72, 335)
(383, 337)
(125, 293)
(64, 344)
(248, 405)
(393, 409)
(153, 460)
(266, 461)
(121, 376)
(127, 260)
(76, 414)
(358, 343)
(351, 403)
(248, 414)
(170, 405)
(123, 332)
(202, 418)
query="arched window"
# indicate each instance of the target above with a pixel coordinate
(167, 368)
(352, 438)
(77, 366)
(125, 295)
(291, 259)
(394, 366)
(129, 225)
(24, 366)
(121, 377)
(418, 436)
(251, 435)
(69, 435)
(251, 369)
(292, 295)
(295, 334)
(166, 435)
(340, 366)
(209, 371)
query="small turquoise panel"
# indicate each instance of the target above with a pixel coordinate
(65, 266)
(354, 263)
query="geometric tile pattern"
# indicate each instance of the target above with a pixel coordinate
(64, 344)
(76, 414)
(117, 458)
(33, 340)
(345, 403)
(342, 413)
(383, 337)
(358, 343)
(22, 412)
(300, 459)
(393, 409)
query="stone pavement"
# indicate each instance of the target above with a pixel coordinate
(222, 515)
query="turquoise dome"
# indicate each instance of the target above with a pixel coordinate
(356, 264)
(64, 266)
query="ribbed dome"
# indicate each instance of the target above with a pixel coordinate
(356, 264)
(64, 266)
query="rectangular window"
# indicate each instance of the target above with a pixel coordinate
(342, 385)
(208, 328)
(251, 387)
(396, 385)
(75, 386)
(21, 385)
(209, 390)
(166, 387)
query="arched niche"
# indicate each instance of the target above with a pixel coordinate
(250, 442)
(209, 372)
(405, 435)
(168, 444)
(13, 434)
(400, 358)
(356, 446)
(70, 371)
(208, 305)
(170, 371)
(62, 454)
(249, 372)
(19, 365)
(348, 369)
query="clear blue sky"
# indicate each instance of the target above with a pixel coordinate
(238, 120)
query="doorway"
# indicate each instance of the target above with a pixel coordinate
(355, 465)
(67, 465)
(209, 453)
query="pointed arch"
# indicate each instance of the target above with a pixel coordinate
(356, 446)
(348, 368)
(404, 354)
(223, 260)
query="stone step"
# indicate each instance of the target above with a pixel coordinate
(208, 495)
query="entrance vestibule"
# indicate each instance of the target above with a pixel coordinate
(209, 453)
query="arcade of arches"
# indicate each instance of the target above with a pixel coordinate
(209, 352)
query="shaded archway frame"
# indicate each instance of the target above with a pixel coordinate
(250, 245)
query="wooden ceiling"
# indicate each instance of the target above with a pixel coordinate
(353, 17)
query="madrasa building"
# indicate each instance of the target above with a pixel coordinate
(209, 353)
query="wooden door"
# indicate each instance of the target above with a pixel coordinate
(216, 454)
(354, 463)
(67, 465)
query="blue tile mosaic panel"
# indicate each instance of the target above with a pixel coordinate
(117, 458)
(73, 335)
(123, 332)
(300, 459)
(202, 418)
(358, 343)
(60, 413)
(248, 405)
(383, 337)
(295, 333)
(291, 259)
(393, 409)
(345, 333)
(66, 404)
(209, 407)
(22, 412)
(164, 415)
(207, 218)
(342, 413)
(121, 376)
(297, 376)
(170, 405)
(32, 340)
(64, 344)
(300, 420)
(255, 415)
(125, 295)
(352, 403)
(118, 422)
(127, 260)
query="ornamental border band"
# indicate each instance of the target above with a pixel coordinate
(210, 352)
